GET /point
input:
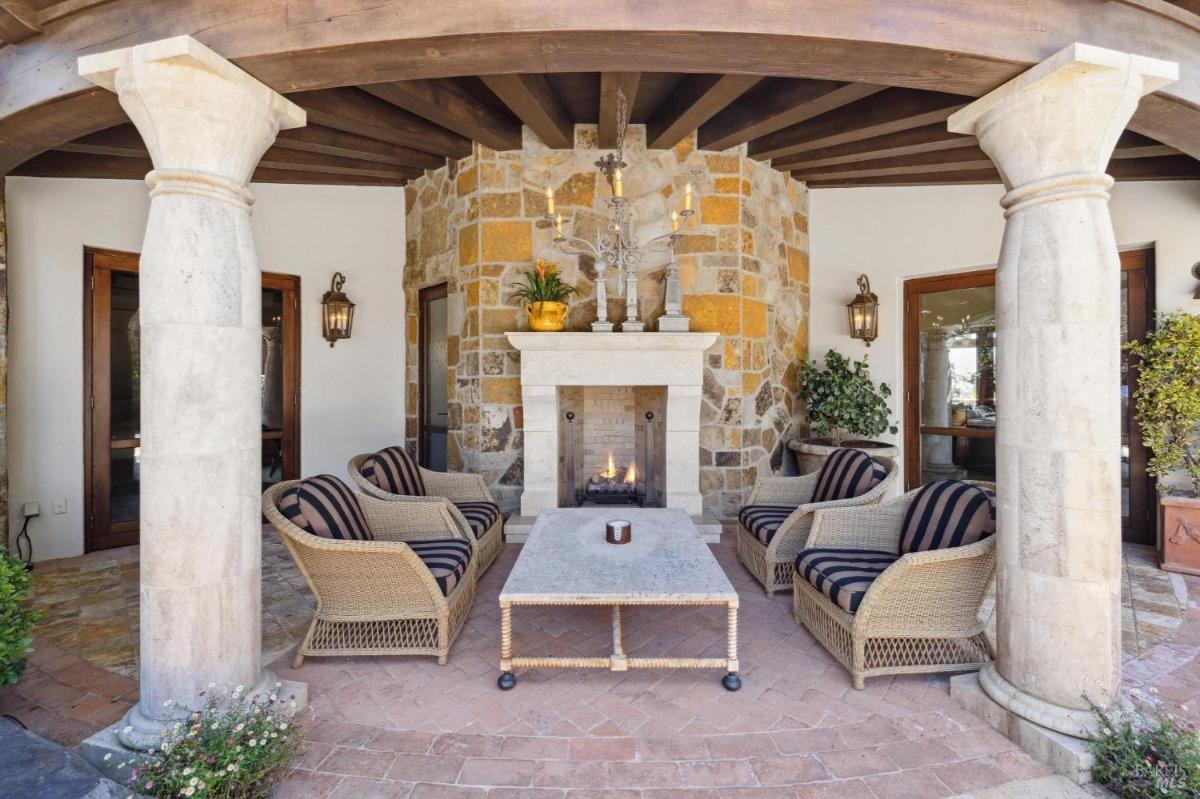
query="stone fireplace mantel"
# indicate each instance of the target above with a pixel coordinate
(672, 360)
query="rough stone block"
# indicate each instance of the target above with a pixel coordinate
(502, 390)
(468, 245)
(722, 164)
(499, 320)
(720, 210)
(797, 264)
(507, 241)
(714, 313)
(754, 319)
(500, 204)
(468, 181)
(696, 243)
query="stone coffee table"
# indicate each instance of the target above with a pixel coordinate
(566, 561)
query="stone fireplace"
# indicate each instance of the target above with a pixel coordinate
(625, 372)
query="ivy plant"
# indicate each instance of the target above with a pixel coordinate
(16, 620)
(1167, 400)
(842, 400)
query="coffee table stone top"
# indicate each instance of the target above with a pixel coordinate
(566, 560)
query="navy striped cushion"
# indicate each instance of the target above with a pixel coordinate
(763, 521)
(394, 471)
(446, 558)
(480, 515)
(847, 473)
(948, 513)
(843, 575)
(326, 507)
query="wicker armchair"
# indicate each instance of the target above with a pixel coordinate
(377, 597)
(771, 564)
(444, 489)
(922, 614)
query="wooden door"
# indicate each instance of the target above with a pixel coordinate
(433, 417)
(112, 413)
(1137, 316)
(949, 377)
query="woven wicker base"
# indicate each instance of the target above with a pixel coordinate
(490, 545)
(753, 554)
(866, 655)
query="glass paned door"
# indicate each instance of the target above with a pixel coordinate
(112, 418)
(950, 380)
(434, 373)
(1137, 314)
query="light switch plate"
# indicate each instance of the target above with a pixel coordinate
(60, 506)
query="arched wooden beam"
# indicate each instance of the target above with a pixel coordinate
(950, 47)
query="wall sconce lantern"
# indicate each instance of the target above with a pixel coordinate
(864, 312)
(337, 311)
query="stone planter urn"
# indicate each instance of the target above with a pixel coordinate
(1180, 547)
(811, 453)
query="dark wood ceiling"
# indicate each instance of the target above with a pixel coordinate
(825, 133)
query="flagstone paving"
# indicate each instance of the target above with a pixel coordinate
(406, 727)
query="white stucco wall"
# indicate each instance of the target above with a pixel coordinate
(894, 234)
(352, 396)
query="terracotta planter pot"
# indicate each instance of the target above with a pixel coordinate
(811, 453)
(547, 316)
(1179, 550)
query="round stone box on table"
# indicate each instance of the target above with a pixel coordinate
(567, 561)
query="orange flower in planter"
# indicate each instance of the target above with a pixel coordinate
(545, 296)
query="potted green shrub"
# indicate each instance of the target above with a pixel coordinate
(16, 620)
(845, 409)
(1167, 406)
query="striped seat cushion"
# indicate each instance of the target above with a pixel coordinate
(948, 513)
(446, 558)
(847, 473)
(480, 515)
(843, 575)
(394, 471)
(325, 507)
(763, 521)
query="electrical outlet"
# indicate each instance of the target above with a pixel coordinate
(60, 506)
(30, 509)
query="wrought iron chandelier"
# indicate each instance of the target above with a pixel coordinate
(617, 245)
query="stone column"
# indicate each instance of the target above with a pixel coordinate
(938, 451)
(206, 124)
(1050, 132)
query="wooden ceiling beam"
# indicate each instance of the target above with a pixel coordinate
(610, 83)
(531, 98)
(922, 179)
(889, 111)
(927, 139)
(777, 103)
(444, 103)
(18, 21)
(697, 99)
(327, 141)
(354, 111)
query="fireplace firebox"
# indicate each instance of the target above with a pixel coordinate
(612, 440)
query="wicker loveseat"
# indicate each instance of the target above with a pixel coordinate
(884, 600)
(404, 589)
(392, 474)
(773, 526)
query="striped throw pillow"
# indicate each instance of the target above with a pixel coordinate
(948, 513)
(394, 471)
(325, 507)
(847, 473)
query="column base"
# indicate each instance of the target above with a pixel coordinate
(1067, 755)
(130, 747)
(1067, 720)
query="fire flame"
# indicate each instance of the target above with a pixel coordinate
(611, 471)
(631, 474)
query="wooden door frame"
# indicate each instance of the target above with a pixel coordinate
(434, 292)
(912, 364)
(95, 402)
(1141, 483)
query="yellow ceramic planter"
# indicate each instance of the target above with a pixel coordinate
(546, 317)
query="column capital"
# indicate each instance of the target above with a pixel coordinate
(1061, 119)
(203, 119)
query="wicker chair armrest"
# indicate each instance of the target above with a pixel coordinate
(784, 490)
(928, 592)
(792, 536)
(365, 579)
(409, 520)
(456, 486)
(874, 527)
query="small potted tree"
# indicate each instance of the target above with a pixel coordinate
(16, 618)
(845, 409)
(1167, 406)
